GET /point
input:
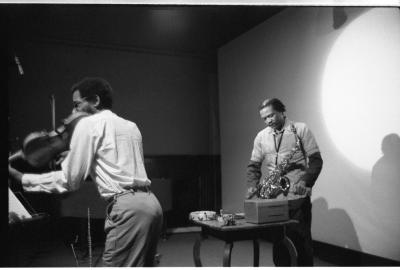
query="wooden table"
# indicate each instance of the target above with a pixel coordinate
(242, 231)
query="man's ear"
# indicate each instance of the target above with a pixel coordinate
(96, 101)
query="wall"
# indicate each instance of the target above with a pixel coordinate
(167, 95)
(285, 57)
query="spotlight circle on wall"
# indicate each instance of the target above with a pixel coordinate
(361, 86)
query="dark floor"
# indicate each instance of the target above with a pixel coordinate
(176, 250)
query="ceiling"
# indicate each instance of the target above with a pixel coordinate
(184, 29)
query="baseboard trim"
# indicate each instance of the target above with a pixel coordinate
(347, 257)
(184, 229)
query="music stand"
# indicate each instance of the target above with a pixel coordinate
(23, 222)
(19, 209)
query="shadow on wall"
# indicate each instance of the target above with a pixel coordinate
(339, 221)
(385, 187)
(339, 17)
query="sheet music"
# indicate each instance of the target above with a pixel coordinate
(16, 211)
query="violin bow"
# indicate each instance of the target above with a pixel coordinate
(53, 111)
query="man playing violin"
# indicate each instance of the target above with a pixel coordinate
(109, 149)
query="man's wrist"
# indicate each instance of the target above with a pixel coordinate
(15, 174)
(251, 192)
(304, 182)
(18, 177)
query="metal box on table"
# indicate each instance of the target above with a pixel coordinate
(266, 210)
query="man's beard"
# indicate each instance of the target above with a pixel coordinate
(278, 125)
(89, 110)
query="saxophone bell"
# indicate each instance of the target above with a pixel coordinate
(271, 189)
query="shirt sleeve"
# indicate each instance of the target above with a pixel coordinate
(253, 173)
(74, 168)
(84, 144)
(257, 153)
(309, 143)
(314, 158)
(52, 182)
(140, 171)
(313, 170)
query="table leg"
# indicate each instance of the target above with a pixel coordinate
(256, 253)
(292, 250)
(227, 254)
(290, 247)
(283, 242)
(196, 251)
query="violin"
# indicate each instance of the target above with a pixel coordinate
(40, 148)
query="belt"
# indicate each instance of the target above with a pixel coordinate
(139, 188)
(128, 190)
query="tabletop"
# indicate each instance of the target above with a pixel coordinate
(241, 225)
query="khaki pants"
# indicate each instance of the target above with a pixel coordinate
(133, 226)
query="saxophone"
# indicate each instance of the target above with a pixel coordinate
(276, 183)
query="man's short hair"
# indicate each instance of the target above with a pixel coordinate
(90, 87)
(276, 104)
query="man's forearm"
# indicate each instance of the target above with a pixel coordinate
(314, 168)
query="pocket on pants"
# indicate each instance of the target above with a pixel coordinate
(110, 244)
(110, 226)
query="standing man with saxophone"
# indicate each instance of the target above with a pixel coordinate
(292, 157)
(109, 149)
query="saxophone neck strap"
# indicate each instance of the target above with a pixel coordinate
(298, 139)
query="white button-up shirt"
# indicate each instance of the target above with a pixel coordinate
(104, 146)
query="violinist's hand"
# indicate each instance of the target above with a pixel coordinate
(61, 157)
(14, 174)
